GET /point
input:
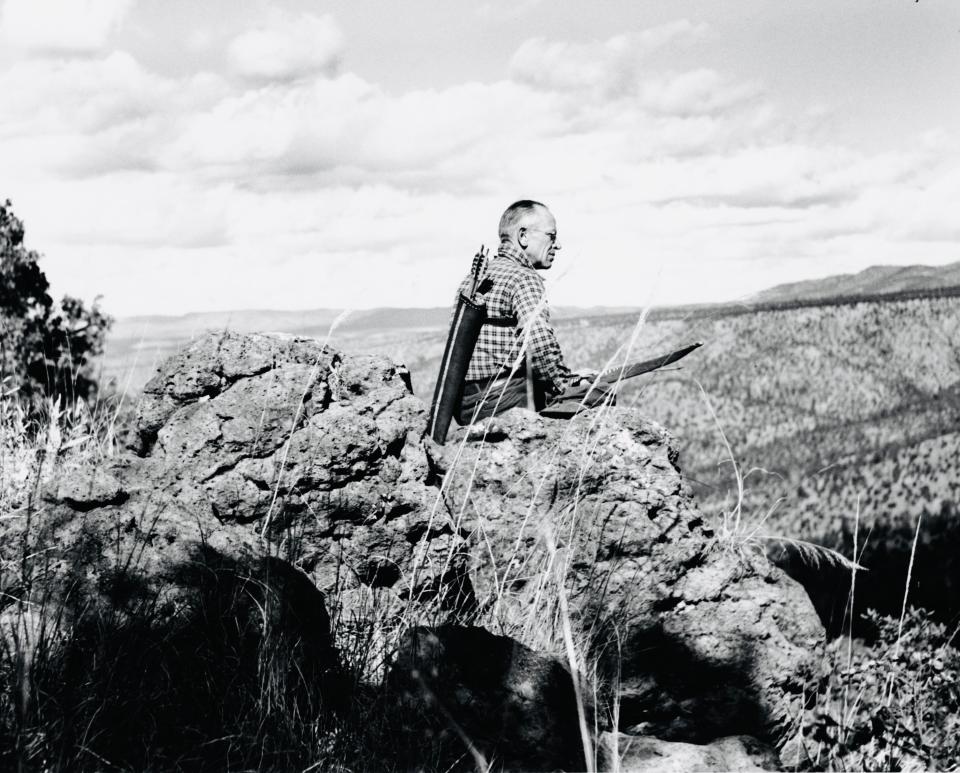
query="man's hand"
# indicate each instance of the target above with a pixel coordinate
(577, 388)
(576, 384)
(580, 378)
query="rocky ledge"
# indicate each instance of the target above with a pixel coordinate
(282, 494)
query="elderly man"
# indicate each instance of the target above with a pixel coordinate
(517, 315)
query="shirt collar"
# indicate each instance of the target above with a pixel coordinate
(508, 250)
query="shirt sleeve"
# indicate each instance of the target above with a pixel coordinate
(532, 314)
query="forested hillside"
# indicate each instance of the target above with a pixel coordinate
(840, 418)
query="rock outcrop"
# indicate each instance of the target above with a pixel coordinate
(512, 707)
(153, 627)
(264, 445)
(640, 755)
(273, 478)
(591, 520)
(323, 453)
(267, 471)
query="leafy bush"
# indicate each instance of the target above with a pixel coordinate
(891, 705)
(45, 348)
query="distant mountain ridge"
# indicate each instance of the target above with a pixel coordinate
(136, 345)
(310, 322)
(875, 280)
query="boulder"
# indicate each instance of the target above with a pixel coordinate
(153, 626)
(319, 451)
(471, 699)
(105, 541)
(266, 470)
(589, 523)
(272, 474)
(639, 754)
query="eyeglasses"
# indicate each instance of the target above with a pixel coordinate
(551, 235)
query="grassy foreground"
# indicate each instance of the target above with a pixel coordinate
(890, 704)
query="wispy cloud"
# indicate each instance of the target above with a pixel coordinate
(287, 47)
(55, 27)
(506, 9)
(283, 177)
(610, 69)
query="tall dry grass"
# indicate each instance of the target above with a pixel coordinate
(890, 703)
(88, 689)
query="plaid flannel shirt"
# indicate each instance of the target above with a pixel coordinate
(513, 288)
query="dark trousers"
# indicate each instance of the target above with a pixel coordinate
(482, 399)
(489, 397)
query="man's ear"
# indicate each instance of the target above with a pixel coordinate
(522, 237)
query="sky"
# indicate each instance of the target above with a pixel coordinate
(175, 156)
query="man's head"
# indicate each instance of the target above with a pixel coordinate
(530, 226)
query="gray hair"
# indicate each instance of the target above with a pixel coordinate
(515, 213)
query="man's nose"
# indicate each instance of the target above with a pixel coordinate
(557, 245)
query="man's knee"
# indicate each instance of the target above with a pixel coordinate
(483, 399)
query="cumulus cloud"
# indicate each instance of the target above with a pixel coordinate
(86, 95)
(288, 47)
(695, 92)
(92, 116)
(679, 31)
(610, 68)
(61, 26)
(297, 169)
(346, 130)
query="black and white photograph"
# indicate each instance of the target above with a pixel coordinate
(513, 385)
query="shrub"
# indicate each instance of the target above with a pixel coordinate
(45, 348)
(890, 705)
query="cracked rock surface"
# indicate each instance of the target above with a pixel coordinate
(708, 638)
(319, 451)
(262, 462)
(273, 467)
